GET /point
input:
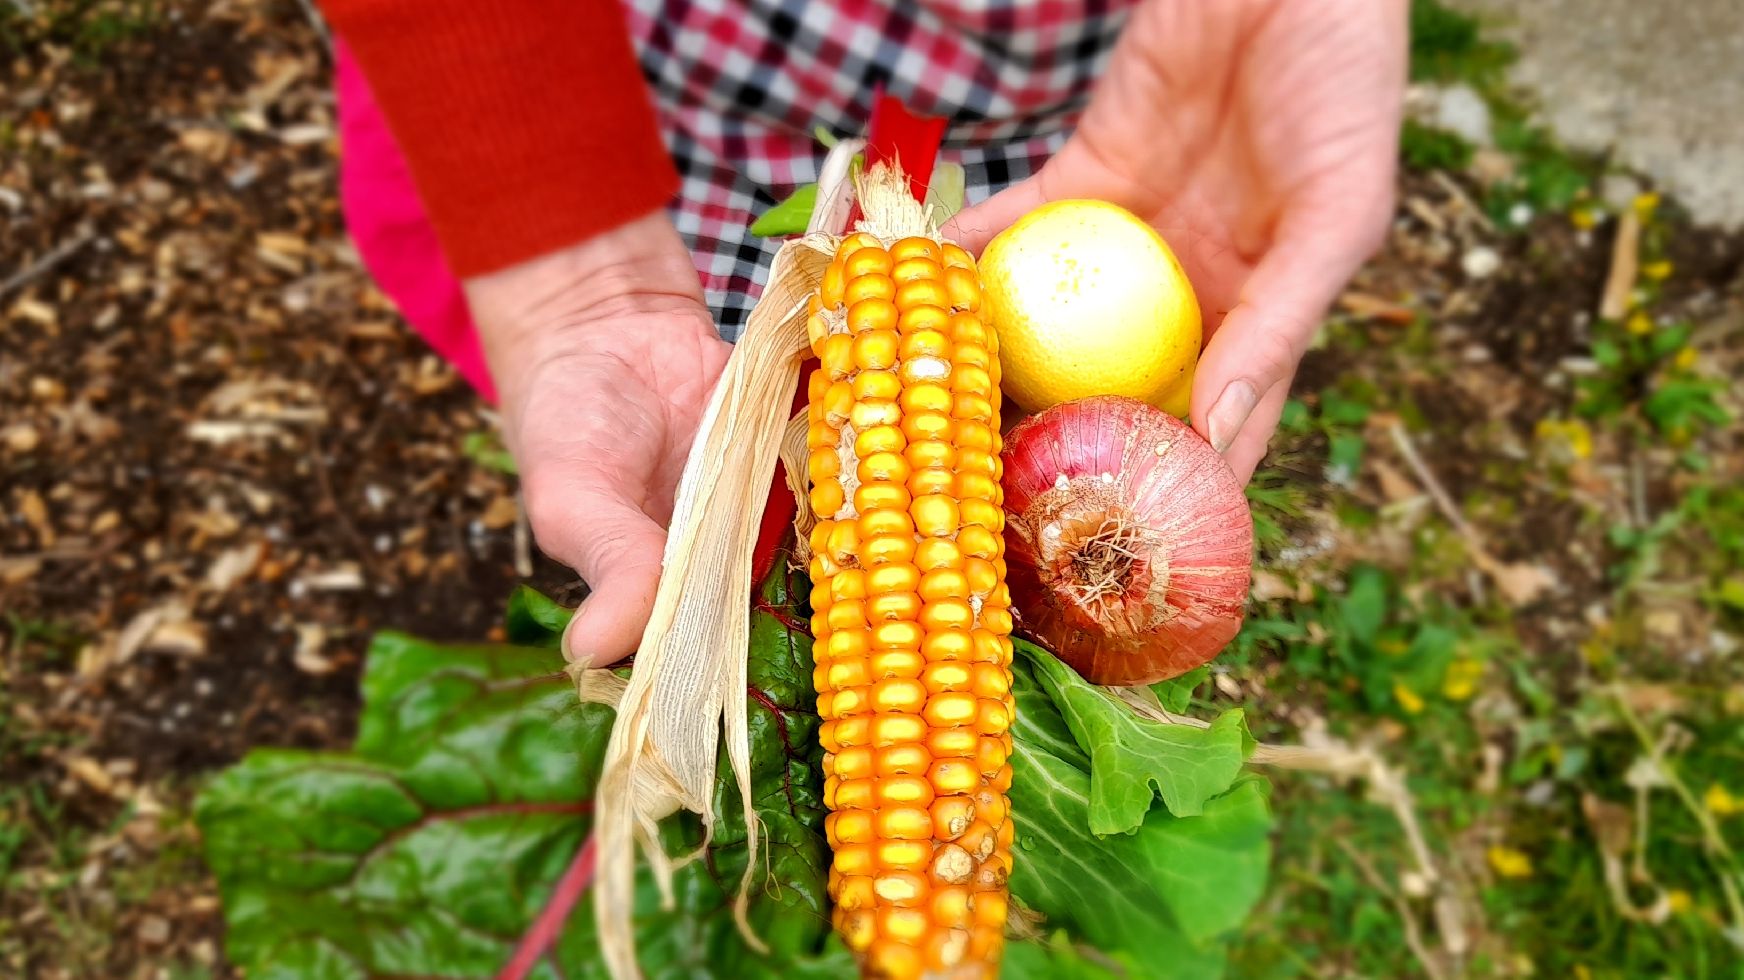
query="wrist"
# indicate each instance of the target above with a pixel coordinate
(561, 298)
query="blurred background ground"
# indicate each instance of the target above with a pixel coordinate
(1501, 530)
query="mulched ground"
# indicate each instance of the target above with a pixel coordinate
(226, 463)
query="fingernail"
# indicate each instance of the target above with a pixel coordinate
(1229, 413)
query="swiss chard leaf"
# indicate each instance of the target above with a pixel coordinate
(533, 619)
(1165, 894)
(430, 847)
(1129, 755)
(1176, 693)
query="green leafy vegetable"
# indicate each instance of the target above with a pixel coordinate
(533, 619)
(1176, 693)
(1165, 895)
(790, 217)
(1129, 755)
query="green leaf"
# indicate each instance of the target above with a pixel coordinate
(790, 217)
(1176, 693)
(1165, 895)
(1364, 606)
(485, 449)
(430, 846)
(1130, 755)
(535, 619)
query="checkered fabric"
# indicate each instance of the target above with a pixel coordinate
(741, 84)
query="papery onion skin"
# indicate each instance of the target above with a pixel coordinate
(1129, 542)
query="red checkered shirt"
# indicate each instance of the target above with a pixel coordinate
(740, 86)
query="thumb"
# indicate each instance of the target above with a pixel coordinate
(617, 550)
(974, 226)
(1243, 376)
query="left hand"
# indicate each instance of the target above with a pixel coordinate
(1259, 137)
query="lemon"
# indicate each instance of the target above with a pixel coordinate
(1087, 299)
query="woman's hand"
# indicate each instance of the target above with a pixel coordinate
(604, 355)
(1259, 137)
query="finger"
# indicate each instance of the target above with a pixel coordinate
(1249, 448)
(1254, 352)
(973, 227)
(617, 550)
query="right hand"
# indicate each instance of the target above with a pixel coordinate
(604, 356)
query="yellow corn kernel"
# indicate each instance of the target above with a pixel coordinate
(866, 261)
(848, 672)
(854, 243)
(982, 513)
(935, 515)
(872, 412)
(872, 384)
(921, 293)
(930, 481)
(901, 662)
(850, 701)
(945, 675)
(975, 487)
(901, 694)
(917, 246)
(858, 928)
(894, 729)
(844, 542)
(903, 823)
(879, 439)
(950, 906)
(848, 584)
(965, 290)
(877, 496)
(973, 355)
(905, 855)
(924, 370)
(855, 794)
(854, 762)
(898, 636)
(967, 329)
(931, 453)
(991, 682)
(937, 553)
(885, 522)
(873, 285)
(823, 464)
(920, 267)
(949, 743)
(947, 645)
(852, 827)
(837, 356)
(944, 583)
(905, 791)
(846, 615)
(830, 287)
(990, 756)
(928, 425)
(855, 892)
(957, 257)
(885, 549)
(947, 614)
(848, 644)
(916, 399)
(952, 815)
(978, 461)
(883, 468)
(953, 776)
(826, 497)
(978, 542)
(901, 577)
(926, 343)
(903, 889)
(893, 606)
(991, 717)
(903, 760)
(916, 318)
(894, 958)
(875, 350)
(871, 313)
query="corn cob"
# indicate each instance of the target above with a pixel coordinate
(910, 609)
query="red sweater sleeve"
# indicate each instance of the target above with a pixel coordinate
(526, 123)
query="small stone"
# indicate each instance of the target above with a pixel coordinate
(1480, 262)
(1460, 110)
(21, 438)
(1619, 191)
(183, 638)
(46, 389)
(311, 638)
(154, 930)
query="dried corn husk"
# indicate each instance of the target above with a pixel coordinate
(690, 674)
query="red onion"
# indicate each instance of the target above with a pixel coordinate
(1129, 544)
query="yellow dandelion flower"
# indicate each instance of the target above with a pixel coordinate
(1509, 863)
(1571, 437)
(1721, 802)
(1392, 647)
(1408, 699)
(1646, 204)
(1640, 324)
(1581, 972)
(1685, 359)
(1657, 271)
(1679, 900)
(1460, 681)
(1583, 218)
